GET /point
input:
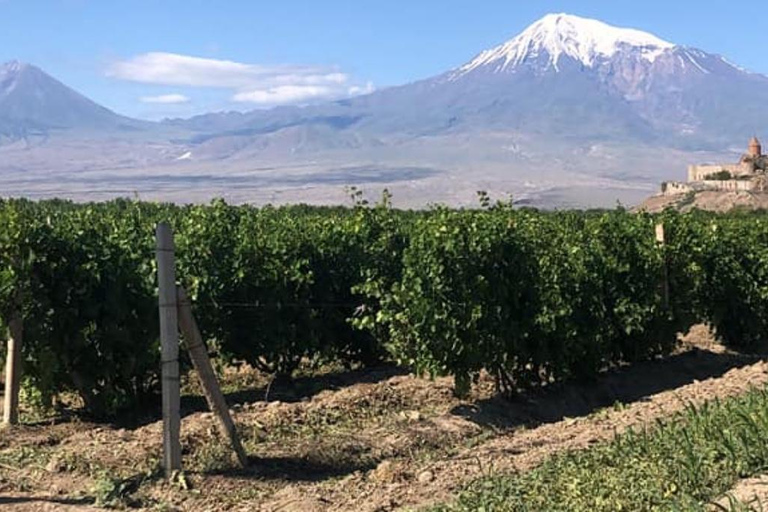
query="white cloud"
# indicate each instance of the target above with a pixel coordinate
(166, 99)
(260, 84)
(284, 94)
(356, 90)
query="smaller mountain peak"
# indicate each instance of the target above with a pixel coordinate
(10, 74)
(14, 66)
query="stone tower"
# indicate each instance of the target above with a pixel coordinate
(755, 149)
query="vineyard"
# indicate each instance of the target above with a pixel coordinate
(503, 301)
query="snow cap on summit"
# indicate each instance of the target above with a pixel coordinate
(582, 39)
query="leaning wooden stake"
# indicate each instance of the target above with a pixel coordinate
(660, 239)
(169, 354)
(13, 372)
(199, 355)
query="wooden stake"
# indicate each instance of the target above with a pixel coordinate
(169, 338)
(199, 355)
(13, 372)
(660, 239)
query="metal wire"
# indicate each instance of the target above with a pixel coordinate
(296, 305)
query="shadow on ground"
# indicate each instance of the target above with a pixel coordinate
(289, 390)
(303, 388)
(296, 469)
(613, 388)
(546, 405)
(32, 500)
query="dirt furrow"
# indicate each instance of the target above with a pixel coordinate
(437, 480)
(379, 441)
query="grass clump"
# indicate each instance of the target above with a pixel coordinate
(680, 464)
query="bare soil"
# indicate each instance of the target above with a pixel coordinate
(363, 441)
(752, 493)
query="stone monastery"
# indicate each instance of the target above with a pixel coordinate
(750, 174)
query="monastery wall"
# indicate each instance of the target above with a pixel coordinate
(701, 172)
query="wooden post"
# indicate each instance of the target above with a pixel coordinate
(660, 239)
(199, 355)
(169, 338)
(13, 371)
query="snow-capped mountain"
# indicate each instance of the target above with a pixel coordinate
(679, 94)
(568, 96)
(563, 76)
(586, 41)
(593, 46)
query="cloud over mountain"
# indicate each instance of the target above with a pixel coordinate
(254, 83)
(166, 99)
(284, 94)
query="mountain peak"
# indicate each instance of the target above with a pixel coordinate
(33, 102)
(14, 64)
(12, 67)
(555, 35)
(9, 73)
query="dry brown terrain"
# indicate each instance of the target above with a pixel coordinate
(363, 441)
(750, 492)
(715, 201)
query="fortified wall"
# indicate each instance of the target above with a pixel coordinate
(703, 172)
(672, 188)
(749, 174)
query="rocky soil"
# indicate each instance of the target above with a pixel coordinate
(717, 201)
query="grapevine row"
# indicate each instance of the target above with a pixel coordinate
(531, 297)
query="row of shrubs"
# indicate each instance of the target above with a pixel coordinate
(532, 297)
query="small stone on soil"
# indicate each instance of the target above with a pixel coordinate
(411, 415)
(425, 477)
(386, 472)
(55, 465)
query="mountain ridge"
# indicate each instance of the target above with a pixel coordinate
(656, 89)
(567, 101)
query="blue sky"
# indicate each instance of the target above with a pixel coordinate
(158, 58)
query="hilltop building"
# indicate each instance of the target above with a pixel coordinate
(749, 174)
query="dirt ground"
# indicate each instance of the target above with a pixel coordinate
(750, 492)
(361, 441)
